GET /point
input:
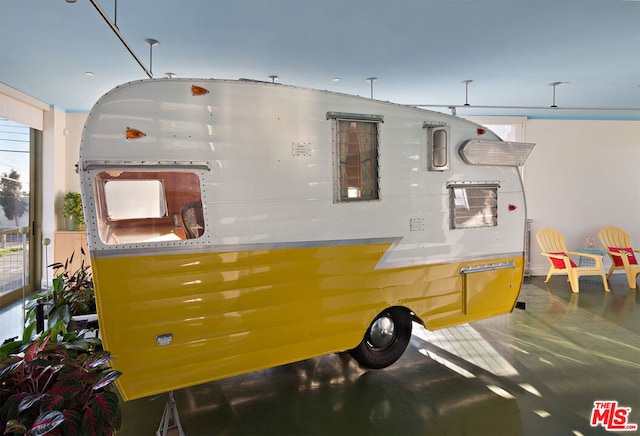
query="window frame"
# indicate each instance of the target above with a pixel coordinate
(455, 222)
(180, 186)
(339, 166)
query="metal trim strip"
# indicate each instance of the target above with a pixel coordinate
(486, 267)
(200, 248)
(111, 164)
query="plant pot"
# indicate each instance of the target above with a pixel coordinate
(71, 223)
(81, 322)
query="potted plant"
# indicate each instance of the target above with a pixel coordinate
(72, 296)
(57, 384)
(72, 209)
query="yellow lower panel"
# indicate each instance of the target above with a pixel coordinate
(232, 313)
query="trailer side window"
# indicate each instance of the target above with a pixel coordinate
(148, 206)
(437, 146)
(473, 205)
(356, 153)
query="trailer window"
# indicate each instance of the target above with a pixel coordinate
(148, 206)
(437, 146)
(473, 206)
(357, 160)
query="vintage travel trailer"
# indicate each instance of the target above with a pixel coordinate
(240, 225)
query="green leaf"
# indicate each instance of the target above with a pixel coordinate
(28, 332)
(10, 348)
(47, 422)
(15, 426)
(77, 344)
(60, 314)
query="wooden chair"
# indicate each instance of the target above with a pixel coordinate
(554, 249)
(617, 244)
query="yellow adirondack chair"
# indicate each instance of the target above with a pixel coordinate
(554, 249)
(617, 244)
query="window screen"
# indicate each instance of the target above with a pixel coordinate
(473, 206)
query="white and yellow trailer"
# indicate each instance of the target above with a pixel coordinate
(240, 225)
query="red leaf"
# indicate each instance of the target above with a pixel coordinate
(106, 379)
(88, 426)
(98, 359)
(52, 402)
(28, 401)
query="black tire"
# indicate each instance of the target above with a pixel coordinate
(385, 340)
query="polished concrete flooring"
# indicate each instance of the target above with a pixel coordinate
(536, 371)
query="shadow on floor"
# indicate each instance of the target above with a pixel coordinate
(535, 371)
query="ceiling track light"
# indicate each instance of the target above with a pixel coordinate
(554, 84)
(371, 80)
(466, 91)
(115, 30)
(566, 108)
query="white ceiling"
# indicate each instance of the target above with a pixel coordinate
(419, 50)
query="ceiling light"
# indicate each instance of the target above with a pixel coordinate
(71, 1)
(273, 78)
(466, 91)
(335, 79)
(169, 75)
(554, 84)
(89, 73)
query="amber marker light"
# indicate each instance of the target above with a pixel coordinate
(199, 90)
(134, 133)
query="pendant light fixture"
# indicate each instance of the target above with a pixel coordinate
(554, 84)
(371, 80)
(151, 42)
(466, 91)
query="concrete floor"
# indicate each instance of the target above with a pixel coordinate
(534, 372)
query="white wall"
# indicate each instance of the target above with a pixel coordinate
(580, 177)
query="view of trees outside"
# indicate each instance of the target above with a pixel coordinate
(14, 203)
(14, 175)
(11, 196)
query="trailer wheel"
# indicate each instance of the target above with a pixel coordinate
(385, 340)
